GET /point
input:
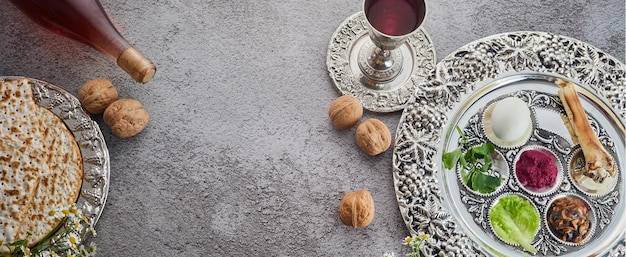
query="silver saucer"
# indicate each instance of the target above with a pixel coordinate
(343, 66)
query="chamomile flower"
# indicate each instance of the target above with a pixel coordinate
(71, 210)
(83, 250)
(26, 251)
(55, 214)
(47, 254)
(73, 240)
(408, 240)
(92, 231)
(415, 243)
(75, 227)
(74, 211)
(92, 247)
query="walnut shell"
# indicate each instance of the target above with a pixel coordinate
(345, 111)
(126, 117)
(373, 137)
(356, 209)
(96, 95)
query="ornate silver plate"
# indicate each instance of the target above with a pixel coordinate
(90, 140)
(342, 63)
(524, 63)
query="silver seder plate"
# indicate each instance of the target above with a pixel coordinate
(434, 201)
(93, 149)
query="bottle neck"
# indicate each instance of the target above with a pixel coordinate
(136, 65)
(85, 21)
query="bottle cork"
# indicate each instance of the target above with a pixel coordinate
(136, 65)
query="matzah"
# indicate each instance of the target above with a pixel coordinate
(40, 163)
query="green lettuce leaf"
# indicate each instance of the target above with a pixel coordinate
(515, 220)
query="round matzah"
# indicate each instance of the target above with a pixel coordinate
(36, 137)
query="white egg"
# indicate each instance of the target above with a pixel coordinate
(510, 119)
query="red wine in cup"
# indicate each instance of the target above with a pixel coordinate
(395, 17)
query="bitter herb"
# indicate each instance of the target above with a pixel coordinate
(474, 164)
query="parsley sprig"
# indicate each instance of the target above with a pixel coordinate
(474, 164)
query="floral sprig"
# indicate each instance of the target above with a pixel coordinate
(67, 241)
(414, 242)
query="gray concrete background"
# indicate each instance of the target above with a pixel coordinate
(239, 158)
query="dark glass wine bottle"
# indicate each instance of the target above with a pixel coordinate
(86, 22)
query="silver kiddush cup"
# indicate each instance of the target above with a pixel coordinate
(390, 23)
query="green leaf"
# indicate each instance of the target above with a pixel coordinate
(22, 242)
(450, 159)
(473, 172)
(485, 149)
(487, 162)
(485, 183)
(463, 163)
(515, 220)
(469, 156)
(465, 176)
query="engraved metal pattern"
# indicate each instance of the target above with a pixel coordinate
(383, 74)
(386, 99)
(464, 71)
(90, 140)
(619, 250)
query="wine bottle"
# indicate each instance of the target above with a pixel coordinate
(85, 21)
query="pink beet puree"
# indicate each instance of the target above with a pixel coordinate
(536, 170)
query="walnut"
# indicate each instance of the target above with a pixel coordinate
(126, 117)
(373, 137)
(356, 209)
(345, 111)
(96, 95)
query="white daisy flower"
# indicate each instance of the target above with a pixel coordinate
(54, 214)
(26, 251)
